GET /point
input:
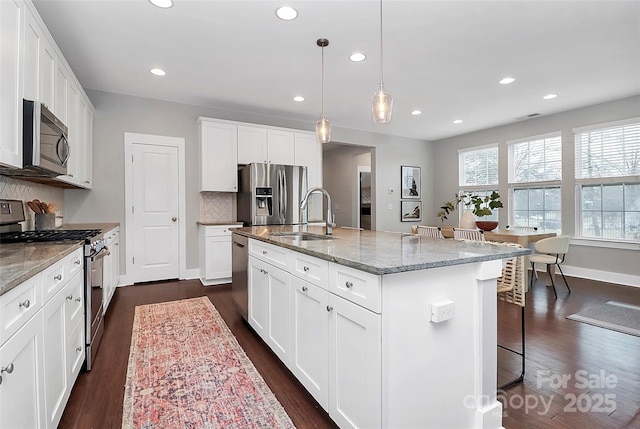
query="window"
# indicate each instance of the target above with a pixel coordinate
(535, 175)
(479, 173)
(608, 180)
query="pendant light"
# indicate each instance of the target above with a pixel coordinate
(323, 126)
(382, 100)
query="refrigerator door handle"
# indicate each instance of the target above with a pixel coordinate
(284, 195)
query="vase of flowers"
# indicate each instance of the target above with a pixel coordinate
(477, 206)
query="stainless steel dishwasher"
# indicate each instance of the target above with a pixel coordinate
(239, 276)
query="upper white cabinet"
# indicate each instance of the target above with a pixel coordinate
(33, 68)
(258, 144)
(218, 156)
(308, 152)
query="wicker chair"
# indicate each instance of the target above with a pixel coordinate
(468, 234)
(430, 231)
(511, 288)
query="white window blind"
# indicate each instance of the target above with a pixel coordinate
(608, 152)
(479, 167)
(537, 160)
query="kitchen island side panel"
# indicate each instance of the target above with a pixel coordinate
(440, 374)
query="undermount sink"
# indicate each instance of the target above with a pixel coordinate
(302, 236)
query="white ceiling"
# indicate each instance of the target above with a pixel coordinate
(442, 57)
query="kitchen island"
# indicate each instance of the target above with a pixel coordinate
(351, 317)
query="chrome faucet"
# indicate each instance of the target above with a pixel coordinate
(330, 219)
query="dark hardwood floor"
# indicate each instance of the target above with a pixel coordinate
(555, 347)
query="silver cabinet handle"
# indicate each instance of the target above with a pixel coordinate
(304, 288)
(329, 308)
(0, 379)
(8, 369)
(306, 269)
(78, 262)
(174, 219)
(58, 277)
(349, 285)
(78, 349)
(26, 303)
(264, 252)
(78, 299)
(69, 297)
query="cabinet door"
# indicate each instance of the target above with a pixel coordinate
(219, 157)
(87, 178)
(61, 85)
(22, 389)
(279, 313)
(252, 145)
(280, 147)
(218, 257)
(354, 365)
(75, 346)
(76, 154)
(258, 284)
(115, 266)
(32, 40)
(308, 152)
(46, 73)
(309, 357)
(11, 27)
(55, 360)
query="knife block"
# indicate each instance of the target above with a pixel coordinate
(45, 221)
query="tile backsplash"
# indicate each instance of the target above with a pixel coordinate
(14, 189)
(217, 206)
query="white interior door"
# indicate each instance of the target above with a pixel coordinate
(154, 212)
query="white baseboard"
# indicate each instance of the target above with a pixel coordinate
(190, 274)
(598, 275)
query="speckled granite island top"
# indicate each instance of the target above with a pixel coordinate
(20, 261)
(382, 252)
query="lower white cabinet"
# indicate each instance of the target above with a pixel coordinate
(41, 359)
(22, 378)
(215, 254)
(111, 267)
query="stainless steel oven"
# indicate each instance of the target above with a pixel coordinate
(94, 253)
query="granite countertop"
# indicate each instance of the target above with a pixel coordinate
(382, 252)
(216, 223)
(20, 261)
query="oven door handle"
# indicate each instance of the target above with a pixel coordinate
(101, 254)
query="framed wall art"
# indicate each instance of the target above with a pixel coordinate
(410, 211)
(410, 177)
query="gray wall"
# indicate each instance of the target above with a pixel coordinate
(581, 257)
(340, 178)
(116, 114)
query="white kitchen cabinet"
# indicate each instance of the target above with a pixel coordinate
(252, 145)
(11, 82)
(22, 378)
(74, 329)
(46, 74)
(218, 156)
(258, 286)
(215, 254)
(31, 51)
(310, 338)
(355, 362)
(260, 144)
(87, 178)
(111, 267)
(308, 152)
(61, 86)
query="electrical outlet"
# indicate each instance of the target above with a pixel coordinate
(442, 310)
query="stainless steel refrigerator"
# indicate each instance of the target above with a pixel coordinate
(270, 194)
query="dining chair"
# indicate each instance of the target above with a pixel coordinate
(511, 288)
(522, 228)
(468, 234)
(430, 231)
(551, 251)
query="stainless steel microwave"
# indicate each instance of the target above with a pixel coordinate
(45, 148)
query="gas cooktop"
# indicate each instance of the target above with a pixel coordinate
(48, 235)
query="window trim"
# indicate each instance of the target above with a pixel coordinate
(461, 167)
(604, 126)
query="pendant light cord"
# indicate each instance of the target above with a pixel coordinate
(322, 84)
(381, 50)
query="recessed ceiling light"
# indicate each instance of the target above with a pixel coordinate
(162, 3)
(356, 57)
(298, 98)
(458, 121)
(158, 72)
(550, 96)
(416, 112)
(507, 80)
(286, 13)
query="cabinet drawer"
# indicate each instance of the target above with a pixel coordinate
(274, 255)
(356, 286)
(53, 279)
(313, 270)
(216, 231)
(74, 300)
(18, 305)
(74, 262)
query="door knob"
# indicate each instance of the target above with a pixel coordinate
(174, 218)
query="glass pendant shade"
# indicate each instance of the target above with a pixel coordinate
(323, 129)
(382, 106)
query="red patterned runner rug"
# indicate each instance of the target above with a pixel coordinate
(187, 370)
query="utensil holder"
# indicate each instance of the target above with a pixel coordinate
(45, 221)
